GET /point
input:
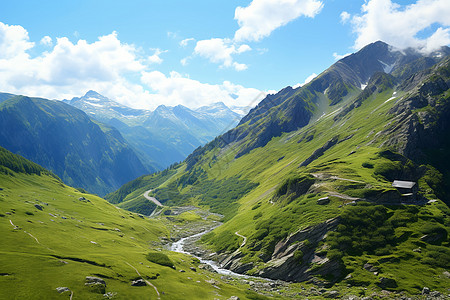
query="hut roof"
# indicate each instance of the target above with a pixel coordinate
(403, 184)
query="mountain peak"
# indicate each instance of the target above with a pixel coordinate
(90, 95)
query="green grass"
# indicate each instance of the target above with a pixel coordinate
(358, 165)
(70, 239)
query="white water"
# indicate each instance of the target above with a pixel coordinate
(179, 247)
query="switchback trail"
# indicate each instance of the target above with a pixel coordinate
(245, 239)
(153, 199)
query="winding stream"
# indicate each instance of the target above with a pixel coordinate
(179, 247)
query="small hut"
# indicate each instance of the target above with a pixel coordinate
(408, 189)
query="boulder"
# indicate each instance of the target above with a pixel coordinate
(435, 294)
(62, 289)
(92, 279)
(193, 269)
(207, 268)
(139, 282)
(387, 283)
(323, 201)
(234, 298)
(331, 294)
(38, 207)
(95, 284)
(425, 291)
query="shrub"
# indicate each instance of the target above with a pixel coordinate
(298, 256)
(160, 259)
(367, 165)
(390, 170)
(297, 186)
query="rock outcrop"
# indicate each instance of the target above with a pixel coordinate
(294, 258)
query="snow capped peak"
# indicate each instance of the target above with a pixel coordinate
(94, 96)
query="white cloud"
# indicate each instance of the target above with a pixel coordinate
(220, 51)
(256, 21)
(261, 17)
(47, 41)
(340, 56)
(14, 41)
(345, 16)
(307, 80)
(70, 69)
(67, 69)
(178, 89)
(185, 42)
(184, 61)
(155, 58)
(401, 26)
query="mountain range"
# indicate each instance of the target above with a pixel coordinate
(83, 152)
(165, 135)
(341, 182)
(336, 189)
(110, 144)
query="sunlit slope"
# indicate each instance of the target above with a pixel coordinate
(350, 152)
(54, 236)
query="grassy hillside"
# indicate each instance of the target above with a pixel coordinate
(54, 236)
(350, 152)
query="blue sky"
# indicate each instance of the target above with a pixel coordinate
(147, 53)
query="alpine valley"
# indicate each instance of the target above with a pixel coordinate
(336, 189)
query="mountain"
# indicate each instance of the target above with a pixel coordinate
(342, 183)
(65, 140)
(164, 136)
(58, 242)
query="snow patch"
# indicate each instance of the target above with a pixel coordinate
(92, 99)
(387, 68)
(94, 104)
(392, 98)
(363, 86)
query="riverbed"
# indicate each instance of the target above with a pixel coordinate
(179, 246)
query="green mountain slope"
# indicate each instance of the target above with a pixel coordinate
(63, 139)
(311, 180)
(53, 236)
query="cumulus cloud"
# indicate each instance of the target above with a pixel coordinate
(261, 17)
(46, 41)
(256, 21)
(401, 26)
(340, 56)
(70, 69)
(307, 80)
(14, 41)
(155, 58)
(185, 42)
(221, 51)
(345, 16)
(180, 89)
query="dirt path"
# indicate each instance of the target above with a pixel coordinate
(15, 227)
(245, 239)
(153, 199)
(146, 281)
(32, 236)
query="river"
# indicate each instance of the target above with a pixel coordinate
(179, 247)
